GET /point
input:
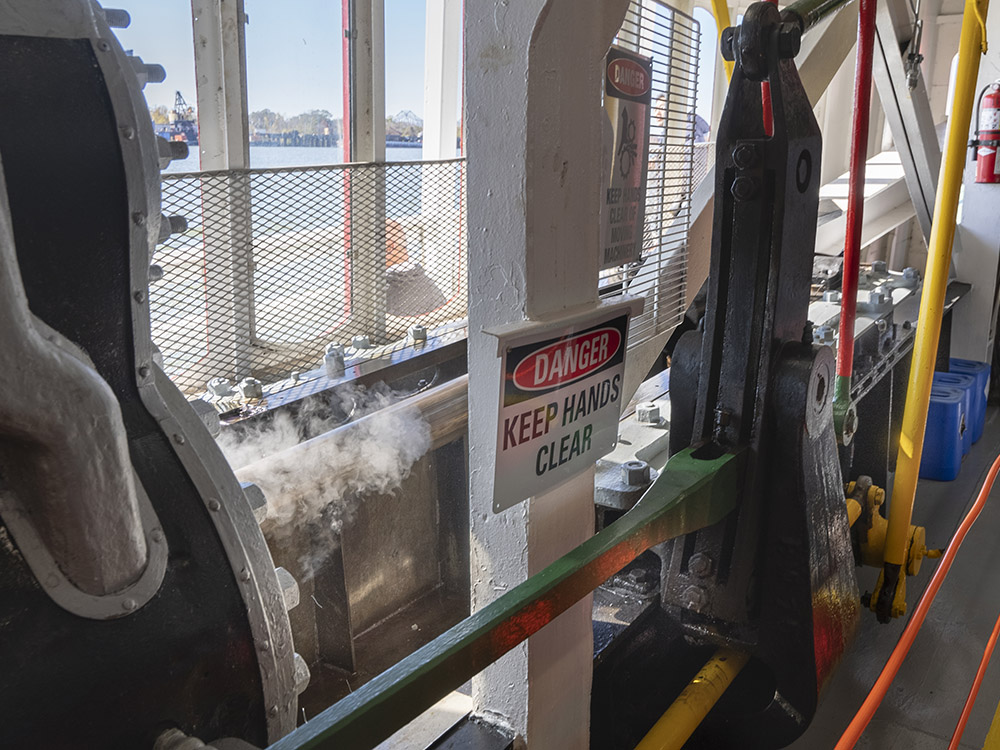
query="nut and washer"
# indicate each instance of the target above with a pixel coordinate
(700, 565)
(361, 342)
(694, 598)
(636, 473)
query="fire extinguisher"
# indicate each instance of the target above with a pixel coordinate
(988, 136)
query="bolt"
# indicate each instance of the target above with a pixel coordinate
(220, 387)
(244, 575)
(179, 439)
(214, 505)
(636, 473)
(881, 325)
(273, 710)
(256, 500)
(831, 296)
(418, 333)
(155, 273)
(139, 296)
(876, 298)
(103, 46)
(744, 188)
(361, 342)
(722, 417)
(138, 218)
(823, 335)
(251, 388)
(143, 371)
(156, 535)
(745, 155)
(638, 576)
(694, 598)
(648, 413)
(880, 266)
(129, 604)
(700, 565)
(289, 587)
(333, 360)
(789, 40)
(910, 273)
(301, 673)
(128, 132)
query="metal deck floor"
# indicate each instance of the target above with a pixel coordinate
(926, 699)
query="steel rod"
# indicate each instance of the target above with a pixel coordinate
(690, 494)
(855, 217)
(808, 13)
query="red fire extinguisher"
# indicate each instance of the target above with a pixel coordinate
(988, 136)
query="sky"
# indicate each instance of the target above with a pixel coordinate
(294, 53)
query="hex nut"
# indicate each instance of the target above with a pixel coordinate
(876, 297)
(251, 388)
(648, 412)
(744, 188)
(911, 273)
(361, 342)
(636, 473)
(208, 415)
(220, 387)
(289, 587)
(880, 266)
(700, 565)
(418, 333)
(695, 598)
(333, 360)
(301, 673)
(823, 335)
(831, 296)
(256, 500)
(745, 155)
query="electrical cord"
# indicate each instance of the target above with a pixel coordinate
(864, 715)
(974, 690)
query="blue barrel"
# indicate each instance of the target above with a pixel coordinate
(967, 383)
(981, 371)
(942, 454)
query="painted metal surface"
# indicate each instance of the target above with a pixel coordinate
(690, 493)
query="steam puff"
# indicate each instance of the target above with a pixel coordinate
(313, 487)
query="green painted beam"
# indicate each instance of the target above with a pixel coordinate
(690, 494)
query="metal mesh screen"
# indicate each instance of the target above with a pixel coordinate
(277, 263)
(670, 38)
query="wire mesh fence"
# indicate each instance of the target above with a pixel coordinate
(671, 39)
(277, 263)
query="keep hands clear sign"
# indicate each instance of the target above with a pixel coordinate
(560, 401)
(627, 100)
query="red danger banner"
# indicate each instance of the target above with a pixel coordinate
(559, 407)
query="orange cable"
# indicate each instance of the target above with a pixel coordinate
(974, 690)
(860, 721)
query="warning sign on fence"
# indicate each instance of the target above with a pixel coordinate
(627, 100)
(560, 401)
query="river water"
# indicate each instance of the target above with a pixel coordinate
(269, 157)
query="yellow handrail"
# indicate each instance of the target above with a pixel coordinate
(935, 283)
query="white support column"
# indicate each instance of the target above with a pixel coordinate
(442, 56)
(367, 188)
(975, 259)
(224, 144)
(535, 123)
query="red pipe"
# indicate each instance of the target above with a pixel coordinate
(856, 194)
(765, 100)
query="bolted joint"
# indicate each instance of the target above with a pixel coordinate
(361, 342)
(880, 266)
(744, 188)
(831, 296)
(289, 587)
(301, 673)
(700, 565)
(251, 388)
(418, 333)
(745, 155)
(333, 360)
(636, 473)
(824, 335)
(220, 387)
(648, 412)
(256, 500)
(789, 40)
(694, 598)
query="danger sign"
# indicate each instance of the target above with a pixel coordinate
(559, 406)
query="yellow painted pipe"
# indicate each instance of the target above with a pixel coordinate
(925, 346)
(993, 736)
(674, 728)
(721, 12)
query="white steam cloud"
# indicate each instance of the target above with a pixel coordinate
(313, 487)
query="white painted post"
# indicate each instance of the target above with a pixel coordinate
(442, 56)
(367, 196)
(224, 144)
(534, 122)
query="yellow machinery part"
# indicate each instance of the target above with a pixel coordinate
(674, 728)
